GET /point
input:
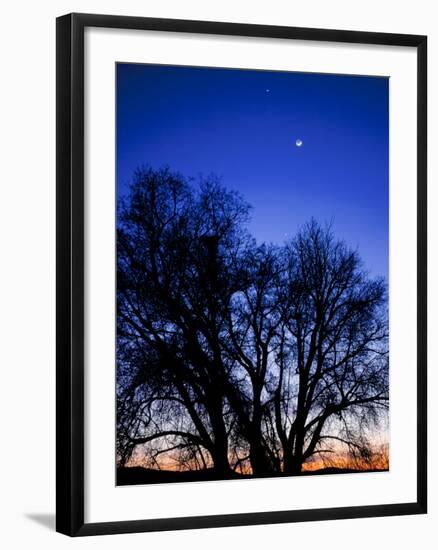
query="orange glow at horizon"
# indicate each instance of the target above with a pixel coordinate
(340, 460)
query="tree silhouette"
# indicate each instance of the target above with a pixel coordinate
(178, 266)
(333, 349)
(237, 356)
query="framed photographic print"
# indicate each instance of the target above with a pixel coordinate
(241, 274)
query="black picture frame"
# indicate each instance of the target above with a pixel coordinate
(70, 273)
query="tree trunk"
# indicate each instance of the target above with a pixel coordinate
(258, 454)
(293, 457)
(259, 459)
(220, 444)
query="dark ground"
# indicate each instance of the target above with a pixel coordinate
(142, 476)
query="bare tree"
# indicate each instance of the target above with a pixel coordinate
(333, 353)
(234, 356)
(178, 252)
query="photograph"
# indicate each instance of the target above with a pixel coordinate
(252, 242)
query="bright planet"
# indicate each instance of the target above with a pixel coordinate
(298, 142)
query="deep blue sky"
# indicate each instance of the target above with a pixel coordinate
(242, 125)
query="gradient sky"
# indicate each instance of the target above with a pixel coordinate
(243, 125)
